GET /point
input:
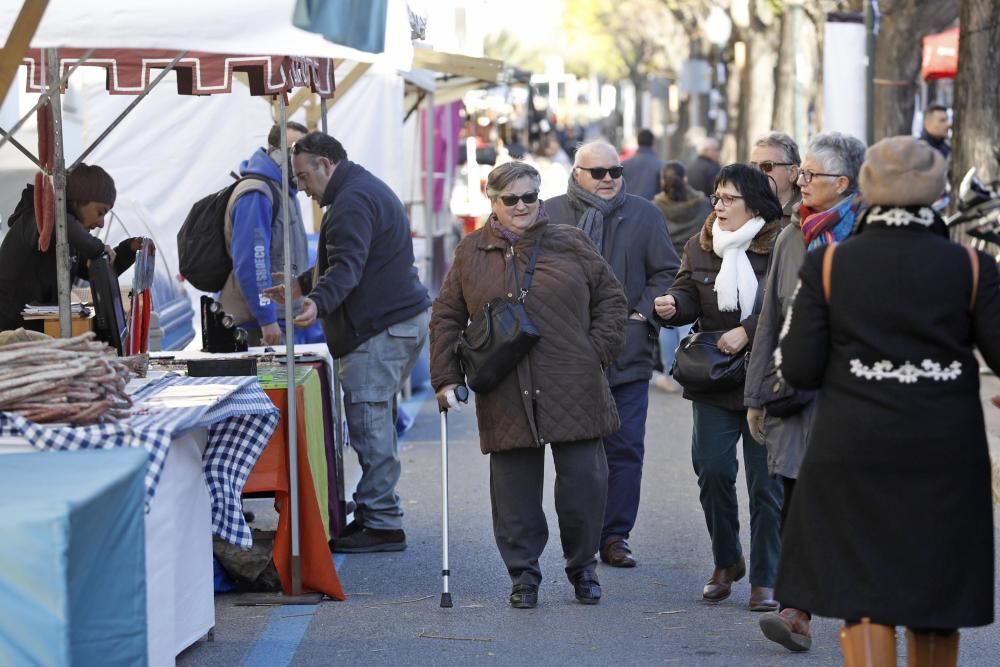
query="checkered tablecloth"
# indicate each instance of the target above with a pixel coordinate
(239, 427)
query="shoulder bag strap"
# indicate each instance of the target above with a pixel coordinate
(530, 271)
(828, 269)
(974, 261)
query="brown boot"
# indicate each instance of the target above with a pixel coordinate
(868, 644)
(931, 649)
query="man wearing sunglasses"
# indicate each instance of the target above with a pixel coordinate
(631, 235)
(777, 155)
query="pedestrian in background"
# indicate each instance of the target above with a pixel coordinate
(704, 169)
(629, 233)
(892, 522)
(717, 287)
(777, 155)
(558, 394)
(642, 170)
(684, 209)
(936, 128)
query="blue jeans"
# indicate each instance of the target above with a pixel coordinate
(371, 376)
(625, 450)
(713, 453)
(670, 337)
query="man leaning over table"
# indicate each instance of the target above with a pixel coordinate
(374, 311)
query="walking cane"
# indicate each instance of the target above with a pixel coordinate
(461, 396)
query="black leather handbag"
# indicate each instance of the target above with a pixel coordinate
(700, 366)
(779, 397)
(498, 337)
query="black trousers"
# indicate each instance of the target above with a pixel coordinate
(519, 525)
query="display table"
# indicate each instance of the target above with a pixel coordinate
(271, 476)
(72, 571)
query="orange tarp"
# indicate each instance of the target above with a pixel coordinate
(271, 475)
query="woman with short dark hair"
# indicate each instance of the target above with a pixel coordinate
(718, 286)
(558, 394)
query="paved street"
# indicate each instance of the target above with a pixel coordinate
(650, 615)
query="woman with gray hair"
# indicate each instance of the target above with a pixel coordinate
(829, 182)
(558, 394)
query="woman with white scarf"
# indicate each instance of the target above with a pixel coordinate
(718, 287)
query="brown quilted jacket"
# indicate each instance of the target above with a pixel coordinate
(559, 392)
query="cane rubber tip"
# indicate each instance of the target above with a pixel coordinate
(446, 600)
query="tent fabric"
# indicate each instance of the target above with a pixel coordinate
(221, 26)
(359, 24)
(940, 56)
(130, 71)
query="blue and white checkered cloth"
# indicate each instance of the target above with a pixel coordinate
(239, 427)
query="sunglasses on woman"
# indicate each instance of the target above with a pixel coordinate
(767, 166)
(527, 198)
(598, 173)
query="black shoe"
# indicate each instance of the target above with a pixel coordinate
(587, 588)
(370, 540)
(524, 596)
(350, 529)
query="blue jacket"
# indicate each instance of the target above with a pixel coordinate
(364, 280)
(642, 173)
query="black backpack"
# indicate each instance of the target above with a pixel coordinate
(201, 241)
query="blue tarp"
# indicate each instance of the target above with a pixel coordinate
(72, 558)
(359, 24)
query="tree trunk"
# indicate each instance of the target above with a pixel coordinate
(897, 59)
(758, 79)
(977, 93)
(784, 76)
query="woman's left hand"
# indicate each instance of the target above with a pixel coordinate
(733, 341)
(136, 243)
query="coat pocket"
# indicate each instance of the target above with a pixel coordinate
(640, 339)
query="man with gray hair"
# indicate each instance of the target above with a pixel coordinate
(631, 235)
(777, 155)
(702, 172)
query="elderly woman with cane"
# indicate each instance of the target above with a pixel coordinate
(557, 395)
(892, 522)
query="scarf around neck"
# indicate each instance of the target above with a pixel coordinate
(593, 210)
(736, 284)
(834, 224)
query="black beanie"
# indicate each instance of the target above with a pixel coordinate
(89, 183)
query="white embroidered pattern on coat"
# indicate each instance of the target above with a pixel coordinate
(785, 326)
(907, 373)
(899, 217)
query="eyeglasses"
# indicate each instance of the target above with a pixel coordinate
(597, 173)
(727, 200)
(767, 166)
(807, 176)
(511, 200)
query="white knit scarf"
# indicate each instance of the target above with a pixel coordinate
(736, 284)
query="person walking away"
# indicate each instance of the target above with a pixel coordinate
(718, 287)
(255, 236)
(365, 290)
(684, 209)
(629, 233)
(892, 522)
(558, 395)
(704, 169)
(786, 438)
(642, 170)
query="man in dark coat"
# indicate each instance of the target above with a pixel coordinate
(936, 126)
(642, 170)
(629, 232)
(374, 312)
(702, 172)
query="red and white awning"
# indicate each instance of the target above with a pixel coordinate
(940, 57)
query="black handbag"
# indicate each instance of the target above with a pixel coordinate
(498, 337)
(779, 397)
(700, 366)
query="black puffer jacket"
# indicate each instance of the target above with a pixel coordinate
(28, 275)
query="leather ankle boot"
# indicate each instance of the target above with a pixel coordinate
(931, 649)
(868, 644)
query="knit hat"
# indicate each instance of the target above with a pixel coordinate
(88, 183)
(902, 171)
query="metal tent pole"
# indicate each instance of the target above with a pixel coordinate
(292, 419)
(63, 281)
(429, 191)
(338, 405)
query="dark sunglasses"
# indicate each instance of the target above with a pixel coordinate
(767, 165)
(527, 198)
(597, 173)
